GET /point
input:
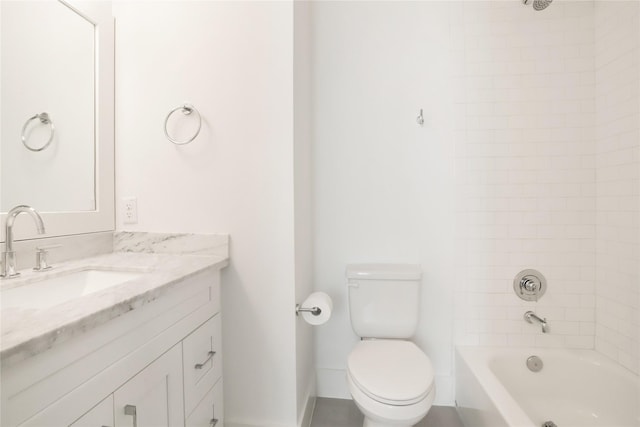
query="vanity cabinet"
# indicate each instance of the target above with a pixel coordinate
(100, 416)
(209, 412)
(202, 365)
(153, 398)
(157, 365)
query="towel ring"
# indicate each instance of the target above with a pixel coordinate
(186, 110)
(44, 119)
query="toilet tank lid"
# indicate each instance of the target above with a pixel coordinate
(384, 271)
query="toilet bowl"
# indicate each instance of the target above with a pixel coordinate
(391, 382)
(390, 379)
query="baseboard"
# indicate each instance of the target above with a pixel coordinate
(304, 421)
(250, 423)
(332, 383)
(308, 412)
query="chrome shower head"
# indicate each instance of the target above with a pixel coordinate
(538, 4)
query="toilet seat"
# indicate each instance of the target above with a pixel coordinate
(393, 372)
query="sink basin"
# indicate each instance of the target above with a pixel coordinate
(56, 290)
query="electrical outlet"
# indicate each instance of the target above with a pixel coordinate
(130, 210)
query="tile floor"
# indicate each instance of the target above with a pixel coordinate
(344, 413)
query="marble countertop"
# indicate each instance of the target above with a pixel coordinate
(25, 332)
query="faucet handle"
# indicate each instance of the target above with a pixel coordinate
(41, 257)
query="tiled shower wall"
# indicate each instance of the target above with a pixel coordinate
(547, 157)
(525, 166)
(617, 53)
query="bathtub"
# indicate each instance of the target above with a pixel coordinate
(575, 388)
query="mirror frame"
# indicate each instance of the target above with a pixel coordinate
(103, 217)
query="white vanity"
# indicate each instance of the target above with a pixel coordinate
(130, 337)
(138, 344)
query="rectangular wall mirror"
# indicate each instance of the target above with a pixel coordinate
(56, 115)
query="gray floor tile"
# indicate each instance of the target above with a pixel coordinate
(336, 413)
(344, 413)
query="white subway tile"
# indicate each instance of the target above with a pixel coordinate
(553, 177)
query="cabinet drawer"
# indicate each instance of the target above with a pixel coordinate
(202, 361)
(209, 409)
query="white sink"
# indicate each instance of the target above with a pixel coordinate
(56, 290)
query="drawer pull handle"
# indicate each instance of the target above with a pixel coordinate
(201, 365)
(131, 410)
(213, 422)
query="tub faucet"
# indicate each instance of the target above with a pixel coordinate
(530, 316)
(9, 256)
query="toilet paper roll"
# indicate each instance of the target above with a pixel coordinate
(323, 302)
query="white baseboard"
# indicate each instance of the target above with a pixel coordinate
(304, 421)
(304, 418)
(250, 423)
(332, 383)
(308, 412)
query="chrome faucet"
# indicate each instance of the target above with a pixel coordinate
(530, 316)
(9, 256)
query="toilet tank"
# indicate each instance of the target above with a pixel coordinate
(384, 299)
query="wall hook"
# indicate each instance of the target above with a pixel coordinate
(420, 118)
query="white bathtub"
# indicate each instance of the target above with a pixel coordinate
(575, 388)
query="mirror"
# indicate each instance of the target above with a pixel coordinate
(51, 73)
(56, 99)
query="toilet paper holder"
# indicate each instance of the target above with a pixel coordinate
(313, 310)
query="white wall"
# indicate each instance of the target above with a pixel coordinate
(502, 176)
(547, 173)
(383, 185)
(525, 166)
(234, 62)
(540, 154)
(305, 366)
(617, 61)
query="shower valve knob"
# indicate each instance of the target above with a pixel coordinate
(529, 285)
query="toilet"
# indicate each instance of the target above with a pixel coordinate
(389, 377)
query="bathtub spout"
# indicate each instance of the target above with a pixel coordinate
(530, 316)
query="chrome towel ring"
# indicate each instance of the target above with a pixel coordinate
(186, 109)
(44, 119)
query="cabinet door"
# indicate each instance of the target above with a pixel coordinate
(153, 398)
(100, 416)
(60, 414)
(209, 412)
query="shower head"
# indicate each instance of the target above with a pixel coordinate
(538, 4)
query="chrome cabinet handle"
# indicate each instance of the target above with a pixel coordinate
(201, 365)
(131, 410)
(214, 420)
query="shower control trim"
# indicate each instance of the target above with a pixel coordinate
(530, 285)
